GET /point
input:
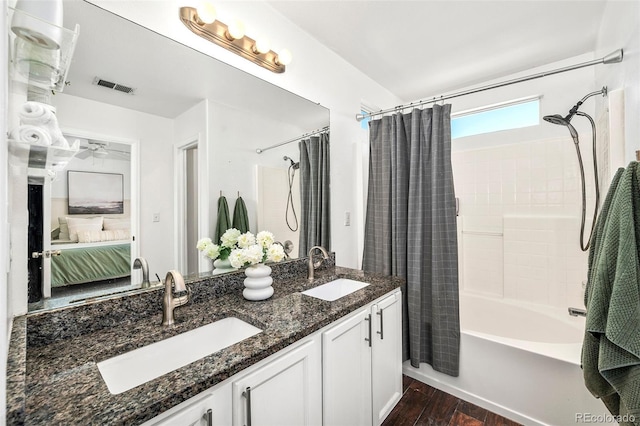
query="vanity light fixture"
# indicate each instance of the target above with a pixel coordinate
(202, 22)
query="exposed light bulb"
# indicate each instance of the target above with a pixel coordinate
(262, 45)
(206, 12)
(284, 57)
(236, 29)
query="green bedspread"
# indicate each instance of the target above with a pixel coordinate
(89, 264)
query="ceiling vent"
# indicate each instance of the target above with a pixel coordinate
(114, 86)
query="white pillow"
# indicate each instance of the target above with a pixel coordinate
(78, 224)
(117, 223)
(64, 228)
(97, 236)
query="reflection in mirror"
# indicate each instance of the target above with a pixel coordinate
(181, 128)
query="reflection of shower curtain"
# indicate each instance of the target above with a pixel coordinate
(410, 229)
(315, 226)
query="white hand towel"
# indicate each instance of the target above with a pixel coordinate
(35, 113)
(39, 114)
(31, 134)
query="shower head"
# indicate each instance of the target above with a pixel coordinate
(563, 121)
(566, 121)
(555, 119)
(293, 163)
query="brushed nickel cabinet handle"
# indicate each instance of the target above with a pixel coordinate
(368, 318)
(208, 416)
(381, 332)
(247, 394)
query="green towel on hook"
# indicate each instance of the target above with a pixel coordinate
(223, 223)
(240, 216)
(611, 347)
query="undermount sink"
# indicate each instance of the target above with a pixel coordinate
(334, 290)
(139, 366)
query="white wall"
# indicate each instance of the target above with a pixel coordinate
(520, 197)
(315, 73)
(232, 165)
(155, 136)
(620, 28)
(273, 204)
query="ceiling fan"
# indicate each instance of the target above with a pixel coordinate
(101, 150)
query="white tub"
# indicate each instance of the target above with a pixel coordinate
(519, 361)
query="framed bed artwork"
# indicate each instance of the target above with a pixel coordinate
(95, 193)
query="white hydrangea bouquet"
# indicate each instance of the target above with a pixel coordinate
(253, 250)
(228, 242)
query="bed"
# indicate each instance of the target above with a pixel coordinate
(81, 265)
(92, 249)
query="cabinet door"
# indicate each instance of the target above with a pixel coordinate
(285, 391)
(386, 358)
(346, 355)
(211, 408)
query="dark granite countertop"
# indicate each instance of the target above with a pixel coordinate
(52, 376)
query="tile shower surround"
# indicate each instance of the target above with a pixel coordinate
(52, 376)
(519, 223)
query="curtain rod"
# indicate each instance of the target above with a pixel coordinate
(314, 132)
(609, 59)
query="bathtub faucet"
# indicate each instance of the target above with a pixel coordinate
(575, 312)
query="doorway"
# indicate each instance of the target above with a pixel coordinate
(74, 262)
(188, 206)
(191, 211)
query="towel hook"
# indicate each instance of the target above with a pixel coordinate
(221, 193)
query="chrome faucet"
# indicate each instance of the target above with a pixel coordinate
(141, 263)
(169, 301)
(311, 265)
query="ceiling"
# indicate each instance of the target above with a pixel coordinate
(419, 49)
(415, 49)
(168, 77)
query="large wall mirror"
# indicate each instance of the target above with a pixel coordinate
(179, 130)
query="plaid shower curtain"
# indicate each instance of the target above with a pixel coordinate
(410, 229)
(315, 208)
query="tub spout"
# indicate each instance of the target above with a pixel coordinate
(576, 312)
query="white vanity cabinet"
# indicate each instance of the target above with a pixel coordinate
(210, 408)
(285, 391)
(362, 364)
(386, 356)
(349, 373)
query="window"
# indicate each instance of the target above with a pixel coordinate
(511, 115)
(364, 123)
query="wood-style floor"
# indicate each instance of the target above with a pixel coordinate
(423, 405)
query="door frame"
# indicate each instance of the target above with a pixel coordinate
(180, 207)
(134, 164)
